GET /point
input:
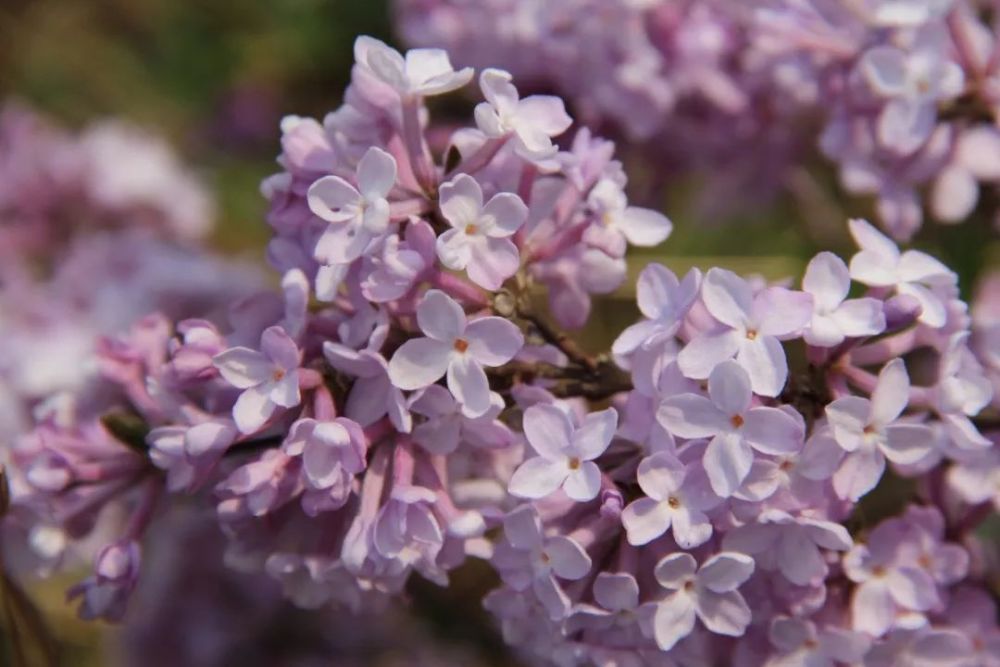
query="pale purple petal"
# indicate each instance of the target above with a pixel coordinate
(252, 409)
(523, 528)
(243, 367)
(907, 444)
(872, 608)
(781, 312)
(461, 201)
(892, 393)
(594, 434)
(703, 353)
(333, 199)
(655, 289)
(454, 249)
(376, 173)
(644, 227)
(848, 417)
(646, 519)
(660, 475)
(727, 461)
(764, 360)
(493, 341)
(419, 362)
(724, 613)
(729, 388)
(549, 431)
(492, 261)
(616, 591)
(503, 215)
(440, 317)
(673, 620)
(468, 383)
(691, 528)
(569, 560)
(858, 474)
(726, 571)
(537, 477)
(860, 317)
(912, 588)
(285, 392)
(584, 483)
(728, 297)
(674, 570)
(773, 431)
(692, 416)
(828, 280)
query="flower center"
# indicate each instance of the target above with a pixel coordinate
(811, 644)
(689, 585)
(461, 345)
(673, 502)
(878, 571)
(785, 465)
(870, 430)
(545, 558)
(736, 420)
(751, 334)
(574, 463)
(278, 375)
(471, 229)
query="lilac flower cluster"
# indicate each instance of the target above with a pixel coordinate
(697, 495)
(907, 92)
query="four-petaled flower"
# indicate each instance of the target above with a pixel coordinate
(834, 318)
(734, 426)
(566, 453)
(478, 241)
(753, 325)
(531, 122)
(421, 73)
(677, 497)
(269, 378)
(457, 348)
(866, 429)
(707, 593)
(357, 216)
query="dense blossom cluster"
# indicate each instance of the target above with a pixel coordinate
(697, 495)
(907, 93)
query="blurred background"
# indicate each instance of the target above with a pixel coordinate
(214, 77)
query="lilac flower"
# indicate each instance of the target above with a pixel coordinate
(457, 348)
(913, 83)
(406, 529)
(565, 453)
(357, 216)
(263, 485)
(752, 328)
(189, 454)
(880, 264)
(106, 593)
(397, 269)
(868, 431)
(372, 395)
(421, 73)
(333, 453)
(801, 644)
(677, 497)
(962, 390)
(529, 559)
(889, 582)
(478, 241)
(531, 122)
(269, 378)
(618, 223)
(789, 544)
(447, 426)
(707, 593)
(664, 301)
(734, 427)
(834, 318)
